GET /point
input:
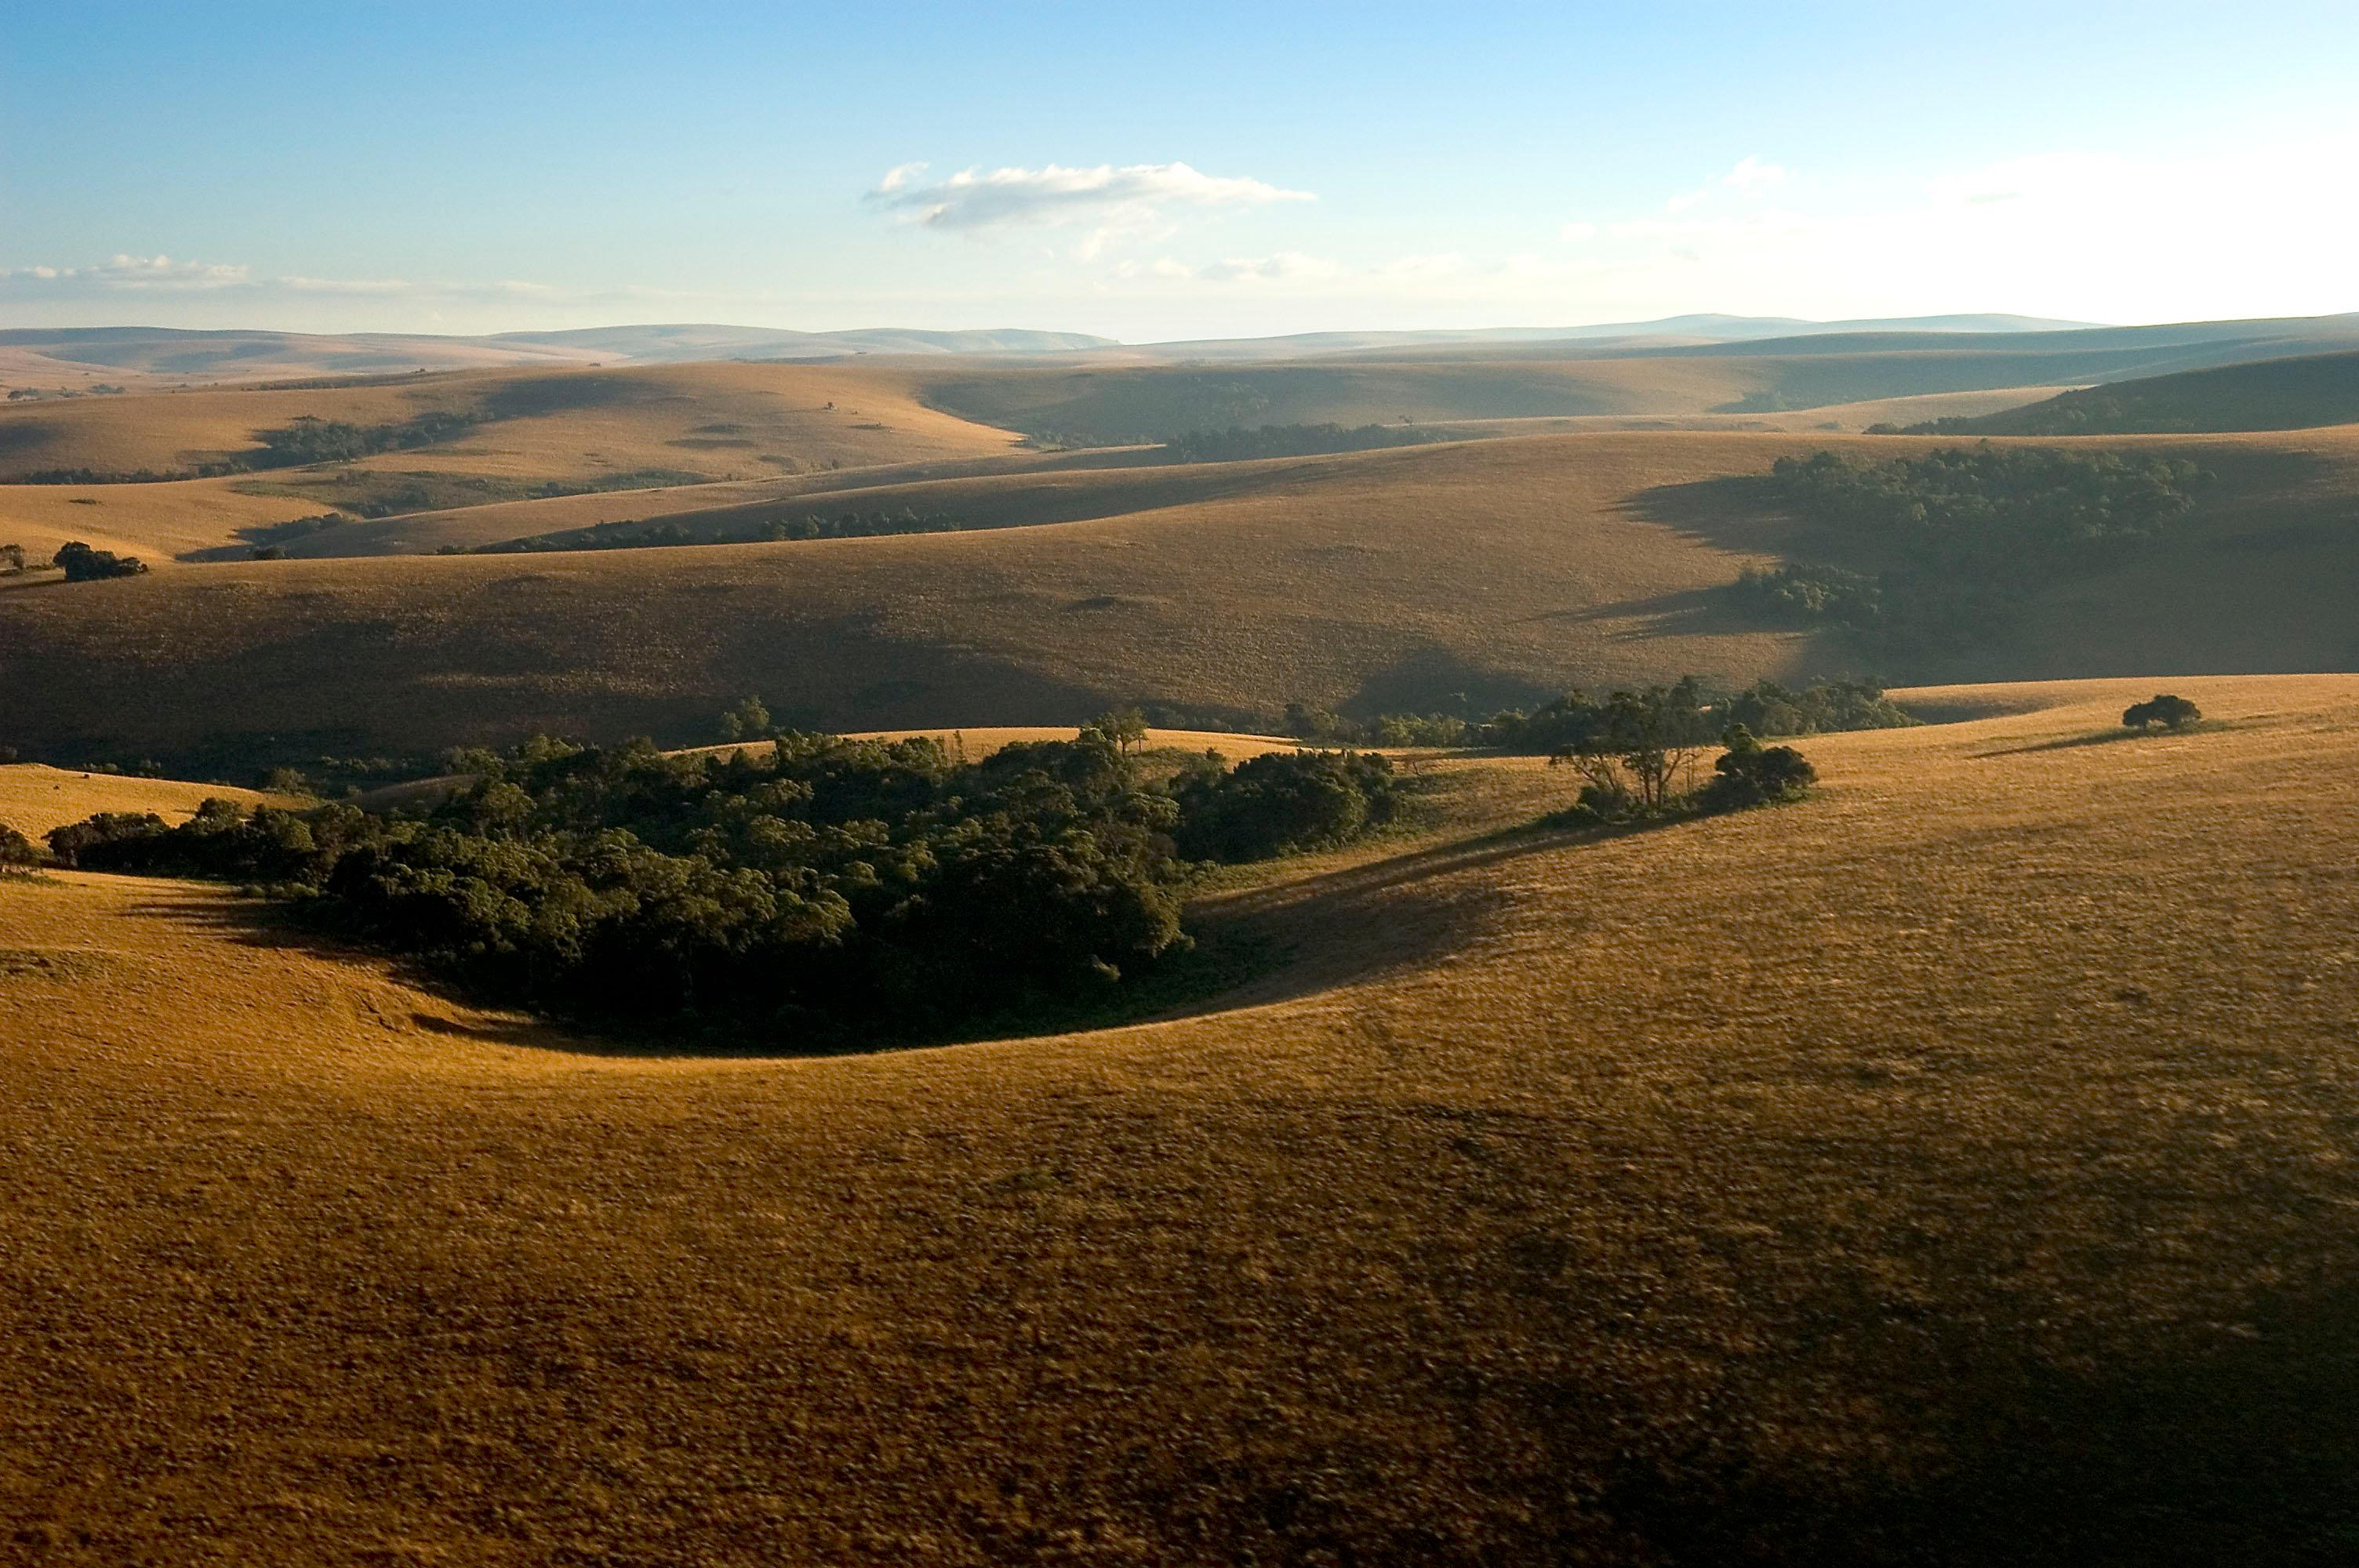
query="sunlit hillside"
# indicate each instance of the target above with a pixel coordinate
(572, 426)
(1952, 1166)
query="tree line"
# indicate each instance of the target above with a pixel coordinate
(79, 561)
(307, 440)
(1765, 708)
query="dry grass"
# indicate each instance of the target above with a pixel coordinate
(34, 798)
(154, 521)
(572, 426)
(1955, 1167)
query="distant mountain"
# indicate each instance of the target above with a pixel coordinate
(672, 344)
(76, 357)
(1667, 331)
(2053, 353)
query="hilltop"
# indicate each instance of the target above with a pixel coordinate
(1889, 1198)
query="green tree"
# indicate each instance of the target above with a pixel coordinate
(1123, 728)
(749, 720)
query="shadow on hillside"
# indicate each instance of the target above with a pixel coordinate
(2109, 738)
(1693, 612)
(1434, 679)
(257, 923)
(2240, 1449)
(1733, 513)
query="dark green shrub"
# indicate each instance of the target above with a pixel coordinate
(1281, 801)
(1749, 774)
(2170, 712)
(83, 564)
(20, 856)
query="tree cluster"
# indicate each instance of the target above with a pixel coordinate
(310, 441)
(1637, 755)
(1314, 723)
(1972, 531)
(1568, 722)
(819, 892)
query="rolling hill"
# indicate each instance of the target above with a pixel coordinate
(706, 421)
(1635, 380)
(1952, 1167)
(1464, 575)
(72, 358)
(2274, 394)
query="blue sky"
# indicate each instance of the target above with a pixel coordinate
(1178, 171)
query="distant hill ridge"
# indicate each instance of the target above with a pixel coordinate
(2300, 392)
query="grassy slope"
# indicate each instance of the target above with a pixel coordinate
(2278, 394)
(34, 798)
(1960, 1159)
(569, 425)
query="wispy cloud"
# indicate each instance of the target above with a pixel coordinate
(135, 274)
(1132, 198)
(130, 274)
(1286, 266)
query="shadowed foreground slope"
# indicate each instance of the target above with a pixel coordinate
(1955, 1166)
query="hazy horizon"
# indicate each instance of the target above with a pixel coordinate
(453, 170)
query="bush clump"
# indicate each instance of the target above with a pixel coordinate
(83, 564)
(20, 856)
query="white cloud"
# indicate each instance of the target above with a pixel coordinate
(1751, 174)
(1132, 198)
(1287, 266)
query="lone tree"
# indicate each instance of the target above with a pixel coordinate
(1125, 729)
(749, 720)
(2170, 712)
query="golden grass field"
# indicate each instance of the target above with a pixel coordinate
(1955, 1167)
(34, 798)
(716, 420)
(1495, 570)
